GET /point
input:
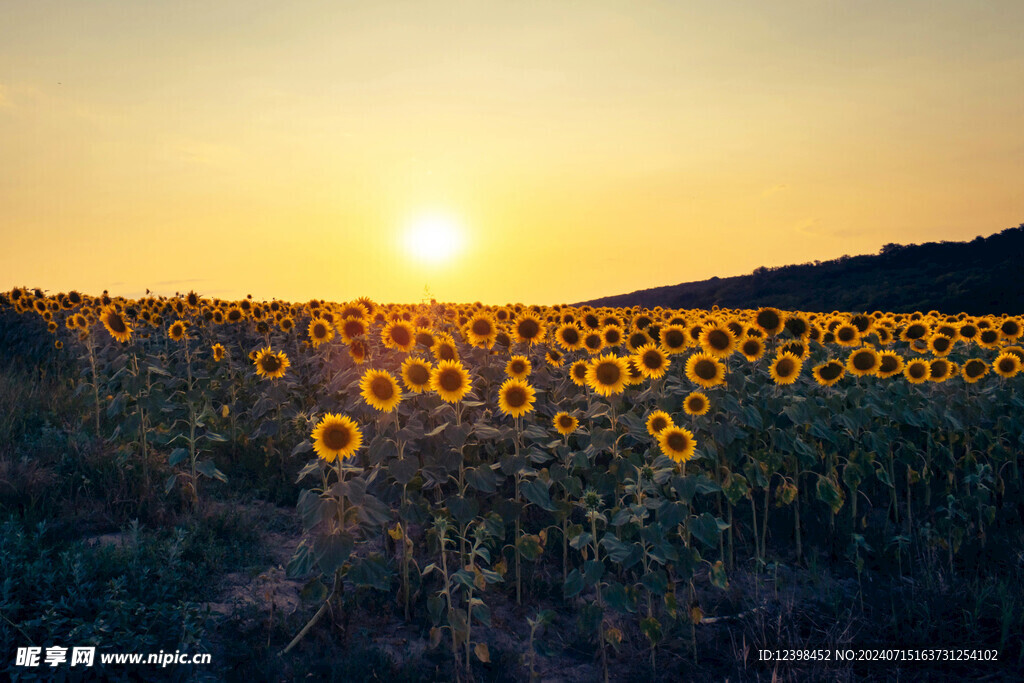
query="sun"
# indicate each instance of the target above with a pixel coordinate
(433, 238)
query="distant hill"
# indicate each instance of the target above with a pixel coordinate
(985, 275)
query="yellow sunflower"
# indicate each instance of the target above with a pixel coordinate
(940, 344)
(416, 374)
(606, 374)
(593, 342)
(569, 337)
(863, 362)
(704, 370)
(658, 421)
(271, 365)
(916, 371)
(357, 350)
(1006, 365)
(717, 340)
(398, 335)
(116, 324)
(351, 328)
(752, 348)
(516, 397)
(554, 358)
(320, 331)
(481, 331)
(380, 389)
(828, 373)
(674, 339)
(973, 370)
(677, 443)
(847, 334)
(612, 335)
(336, 436)
(785, 368)
(218, 352)
(529, 329)
(444, 348)
(940, 369)
(565, 423)
(890, 364)
(696, 404)
(518, 367)
(578, 373)
(450, 380)
(770, 320)
(652, 361)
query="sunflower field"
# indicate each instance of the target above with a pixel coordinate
(607, 470)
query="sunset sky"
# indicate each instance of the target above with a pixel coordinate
(562, 150)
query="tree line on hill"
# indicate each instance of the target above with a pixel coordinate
(983, 276)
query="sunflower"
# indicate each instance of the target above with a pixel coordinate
(636, 339)
(798, 326)
(1015, 350)
(416, 374)
(554, 358)
(633, 374)
(612, 335)
(450, 380)
(828, 373)
(770, 320)
(973, 370)
(696, 404)
(398, 335)
(1006, 365)
(658, 421)
(915, 330)
(988, 339)
(235, 315)
(940, 344)
(516, 397)
(607, 374)
(351, 328)
(565, 423)
(271, 365)
(569, 337)
(704, 370)
(674, 339)
(424, 337)
(218, 352)
(863, 362)
(677, 443)
(58, 344)
(593, 342)
(785, 368)
(1011, 329)
(357, 350)
(717, 340)
(336, 436)
(916, 371)
(752, 348)
(578, 373)
(529, 329)
(847, 334)
(380, 389)
(940, 369)
(116, 324)
(481, 330)
(890, 364)
(652, 361)
(320, 331)
(444, 348)
(518, 367)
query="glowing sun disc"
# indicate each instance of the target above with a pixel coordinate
(433, 238)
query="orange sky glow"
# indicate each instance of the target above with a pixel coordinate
(561, 150)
